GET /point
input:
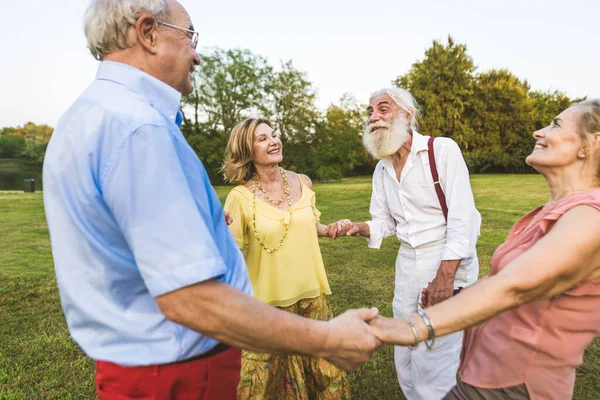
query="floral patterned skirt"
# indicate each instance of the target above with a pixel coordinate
(281, 377)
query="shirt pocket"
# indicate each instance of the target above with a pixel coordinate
(421, 195)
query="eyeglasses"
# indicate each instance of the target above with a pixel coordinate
(193, 38)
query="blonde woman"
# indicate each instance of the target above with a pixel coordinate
(276, 224)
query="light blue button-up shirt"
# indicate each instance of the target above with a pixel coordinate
(132, 215)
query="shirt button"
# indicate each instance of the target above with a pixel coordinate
(172, 117)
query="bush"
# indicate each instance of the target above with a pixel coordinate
(329, 173)
(11, 146)
(496, 162)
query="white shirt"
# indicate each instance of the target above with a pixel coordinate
(411, 209)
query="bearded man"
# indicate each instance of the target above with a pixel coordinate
(437, 255)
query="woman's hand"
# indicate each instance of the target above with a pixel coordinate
(338, 228)
(228, 219)
(392, 331)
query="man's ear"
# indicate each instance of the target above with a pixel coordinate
(146, 32)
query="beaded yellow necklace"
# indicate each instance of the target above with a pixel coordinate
(286, 194)
(286, 190)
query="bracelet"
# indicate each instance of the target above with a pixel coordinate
(431, 337)
(415, 332)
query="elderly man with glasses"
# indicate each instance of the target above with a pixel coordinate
(152, 284)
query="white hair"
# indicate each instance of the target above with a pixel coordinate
(404, 100)
(107, 21)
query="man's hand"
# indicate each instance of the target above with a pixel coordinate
(228, 219)
(351, 341)
(359, 229)
(339, 228)
(442, 286)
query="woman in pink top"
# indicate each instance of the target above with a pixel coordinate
(531, 319)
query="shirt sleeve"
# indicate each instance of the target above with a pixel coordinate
(238, 228)
(464, 220)
(382, 224)
(169, 234)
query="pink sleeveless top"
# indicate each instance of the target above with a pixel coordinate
(541, 343)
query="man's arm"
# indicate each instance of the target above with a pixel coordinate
(442, 286)
(382, 222)
(359, 229)
(220, 311)
(463, 222)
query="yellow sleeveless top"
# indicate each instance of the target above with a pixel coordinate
(296, 270)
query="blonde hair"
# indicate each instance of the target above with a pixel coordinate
(238, 167)
(588, 122)
(107, 22)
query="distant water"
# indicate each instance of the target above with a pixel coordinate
(13, 174)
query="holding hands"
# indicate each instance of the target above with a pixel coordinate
(345, 227)
(351, 341)
(339, 228)
(394, 331)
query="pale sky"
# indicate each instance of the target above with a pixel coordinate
(343, 45)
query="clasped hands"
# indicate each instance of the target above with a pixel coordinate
(354, 336)
(339, 228)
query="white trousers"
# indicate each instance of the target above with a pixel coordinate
(425, 374)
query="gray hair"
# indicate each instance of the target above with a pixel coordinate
(107, 22)
(404, 100)
(588, 122)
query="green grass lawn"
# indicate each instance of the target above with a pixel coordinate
(38, 359)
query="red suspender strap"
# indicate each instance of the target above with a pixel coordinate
(436, 179)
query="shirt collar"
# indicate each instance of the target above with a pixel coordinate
(160, 95)
(419, 143)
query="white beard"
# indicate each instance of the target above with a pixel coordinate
(388, 139)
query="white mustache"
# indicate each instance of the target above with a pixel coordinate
(379, 124)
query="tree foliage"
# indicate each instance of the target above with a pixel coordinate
(442, 85)
(28, 142)
(490, 114)
(292, 109)
(229, 84)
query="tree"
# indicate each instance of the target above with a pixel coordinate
(11, 146)
(501, 115)
(338, 140)
(229, 85)
(292, 99)
(6, 131)
(549, 105)
(39, 133)
(442, 84)
(28, 142)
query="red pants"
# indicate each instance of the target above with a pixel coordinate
(210, 378)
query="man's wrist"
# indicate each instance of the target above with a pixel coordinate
(448, 268)
(364, 230)
(322, 340)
